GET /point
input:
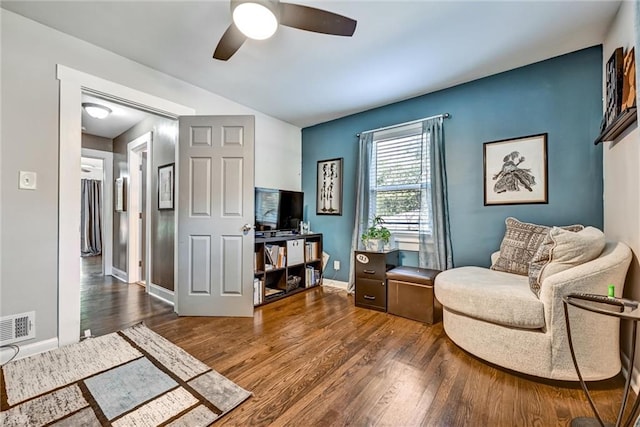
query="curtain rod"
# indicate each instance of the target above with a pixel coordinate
(444, 116)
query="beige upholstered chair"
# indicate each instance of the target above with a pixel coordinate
(495, 316)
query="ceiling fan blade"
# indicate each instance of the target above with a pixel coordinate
(230, 42)
(316, 20)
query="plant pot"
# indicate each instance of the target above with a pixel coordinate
(374, 245)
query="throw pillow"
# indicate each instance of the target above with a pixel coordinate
(519, 245)
(561, 250)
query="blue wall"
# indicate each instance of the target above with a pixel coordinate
(560, 96)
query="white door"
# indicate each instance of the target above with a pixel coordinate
(215, 214)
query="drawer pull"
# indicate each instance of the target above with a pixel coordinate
(369, 271)
(369, 297)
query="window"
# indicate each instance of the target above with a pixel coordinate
(399, 180)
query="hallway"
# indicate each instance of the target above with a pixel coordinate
(108, 305)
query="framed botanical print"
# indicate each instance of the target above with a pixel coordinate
(515, 171)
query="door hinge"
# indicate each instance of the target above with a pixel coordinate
(140, 167)
(139, 263)
(140, 215)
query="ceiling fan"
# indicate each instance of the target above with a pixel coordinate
(259, 20)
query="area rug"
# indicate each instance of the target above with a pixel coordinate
(130, 378)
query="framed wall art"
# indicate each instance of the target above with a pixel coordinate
(166, 191)
(119, 204)
(515, 171)
(329, 187)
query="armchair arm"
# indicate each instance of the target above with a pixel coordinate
(595, 337)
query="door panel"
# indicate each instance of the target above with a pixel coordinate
(232, 187)
(200, 186)
(200, 268)
(215, 200)
(231, 265)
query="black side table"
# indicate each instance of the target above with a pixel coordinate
(624, 310)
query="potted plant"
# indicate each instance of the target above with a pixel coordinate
(376, 236)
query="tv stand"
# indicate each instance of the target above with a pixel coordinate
(285, 264)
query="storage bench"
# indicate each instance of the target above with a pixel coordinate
(410, 294)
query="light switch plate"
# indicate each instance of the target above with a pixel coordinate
(27, 180)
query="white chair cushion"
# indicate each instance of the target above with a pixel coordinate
(493, 296)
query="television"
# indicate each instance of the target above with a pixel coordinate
(278, 209)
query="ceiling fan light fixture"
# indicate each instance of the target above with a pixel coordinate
(96, 111)
(255, 20)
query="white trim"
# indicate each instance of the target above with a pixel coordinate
(29, 349)
(107, 206)
(335, 284)
(161, 293)
(135, 149)
(72, 83)
(119, 274)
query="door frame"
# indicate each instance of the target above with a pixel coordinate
(134, 157)
(107, 212)
(72, 84)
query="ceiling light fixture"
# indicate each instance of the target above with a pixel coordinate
(256, 19)
(96, 111)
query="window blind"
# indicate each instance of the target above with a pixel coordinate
(399, 177)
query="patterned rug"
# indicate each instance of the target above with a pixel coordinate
(130, 378)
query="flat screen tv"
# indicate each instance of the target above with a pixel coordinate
(278, 209)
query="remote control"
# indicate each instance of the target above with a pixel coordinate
(600, 299)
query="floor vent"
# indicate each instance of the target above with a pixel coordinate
(17, 327)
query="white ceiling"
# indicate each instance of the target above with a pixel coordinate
(121, 119)
(400, 49)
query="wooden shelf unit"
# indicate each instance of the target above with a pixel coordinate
(297, 253)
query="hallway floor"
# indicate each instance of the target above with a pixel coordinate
(108, 305)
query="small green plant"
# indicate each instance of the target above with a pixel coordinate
(377, 231)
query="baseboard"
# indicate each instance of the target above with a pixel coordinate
(161, 293)
(120, 275)
(27, 350)
(335, 284)
(635, 379)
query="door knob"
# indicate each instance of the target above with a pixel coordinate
(247, 228)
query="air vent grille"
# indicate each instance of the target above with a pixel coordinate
(17, 327)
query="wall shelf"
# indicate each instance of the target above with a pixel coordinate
(623, 121)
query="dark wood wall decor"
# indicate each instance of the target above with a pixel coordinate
(620, 103)
(614, 86)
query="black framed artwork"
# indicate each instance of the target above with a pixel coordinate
(515, 171)
(166, 190)
(329, 187)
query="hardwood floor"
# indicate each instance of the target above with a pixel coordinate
(315, 359)
(108, 305)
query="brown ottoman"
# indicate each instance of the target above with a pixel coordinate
(410, 294)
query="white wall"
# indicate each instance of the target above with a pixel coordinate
(29, 141)
(621, 169)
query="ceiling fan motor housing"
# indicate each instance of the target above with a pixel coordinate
(272, 5)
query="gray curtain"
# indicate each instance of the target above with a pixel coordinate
(435, 244)
(91, 218)
(362, 200)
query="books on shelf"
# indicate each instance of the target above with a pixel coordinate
(276, 255)
(269, 292)
(311, 276)
(312, 251)
(258, 297)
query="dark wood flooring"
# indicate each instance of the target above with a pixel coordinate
(108, 305)
(316, 360)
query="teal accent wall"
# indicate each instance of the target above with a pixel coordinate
(561, 96)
